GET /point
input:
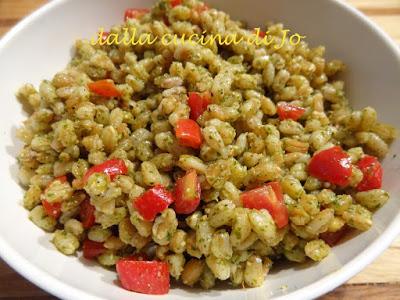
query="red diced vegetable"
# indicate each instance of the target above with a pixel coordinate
(166, 22)
(104, 36)
(289, 111)
(86, 214)
(112, 168)
(105, 88)
(61, 178)
(261, 34)
(147, 277)
(52, 209)
(153, 201)
(267, 197)
(332, 165)
(175, 2)
(92, 249)
(276, 187)
(333, 238)
(134, 13)
(188, 133)
(372, 173)
(198, 104)
(187, 193)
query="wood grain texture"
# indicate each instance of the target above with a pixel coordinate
(380, 280)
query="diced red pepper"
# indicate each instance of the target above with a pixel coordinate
(92, 249)
(104, 36)
(198, 104)
(187, 193)
(289, 111)
(332, 165)
(261, 34)
(175, 2)
(134, 13)
(372, 173)
(52, 209)
(86, 214)
(277, 188)
(105, 88)
(333, 238)
(166, 21)
(112, 168)
(146, 277)
(153, 201)
(62, 178)
(267, 197)
(188, 133)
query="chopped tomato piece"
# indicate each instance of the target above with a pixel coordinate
(267, 197)
(147, 277)
(332, 165)
(52, 209)
(86, 214)
(153, 201)
(372, 173)
(105, 88)
(92, 249)
(188, 133)
(112, 168)
(175, 2)
(134, 13)
(187, 193)
(289, 111)
(198, 104)
(333, 238)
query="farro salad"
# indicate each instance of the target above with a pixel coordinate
(198, 163)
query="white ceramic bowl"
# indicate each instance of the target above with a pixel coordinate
(40, 45)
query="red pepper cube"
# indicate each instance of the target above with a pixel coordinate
(52, 209)
(86, 214)
(187, 193)
(267, 197)
(188, 133)
(333, 238)
(372, 173)
(175, 2)
(92, 249)
(105, 88)
(135, 13)
(198, 104)
(153, 201)
(146, 277)
(289, 111)
(112, 168)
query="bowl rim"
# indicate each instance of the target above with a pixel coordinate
(327, 283)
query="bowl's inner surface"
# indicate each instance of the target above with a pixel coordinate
(39, 50)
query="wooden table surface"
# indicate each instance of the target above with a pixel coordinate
(380, 280)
